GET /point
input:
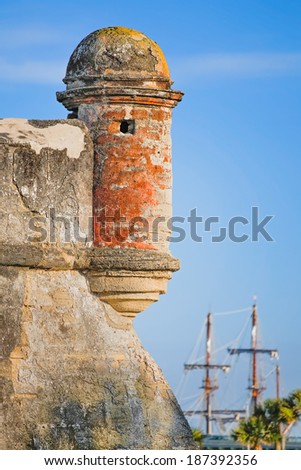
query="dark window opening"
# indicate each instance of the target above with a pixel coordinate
(73, 114)
(127, 126)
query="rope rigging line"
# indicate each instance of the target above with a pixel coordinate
(196, 395)
(229, 343)
(197, 404)
(232, 312)
(183, 380)
(270, 373)
(235, 342)
(231, 359)
(197, 344)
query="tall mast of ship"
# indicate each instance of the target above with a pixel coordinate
(208, 386)
(277, 382)
(255, 387)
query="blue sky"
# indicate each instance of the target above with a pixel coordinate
(236, 144)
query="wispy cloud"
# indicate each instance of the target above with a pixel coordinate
(237, 65)
(24, 42)
(30, 35)
(32, 71)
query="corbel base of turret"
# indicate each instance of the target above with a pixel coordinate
(128, 279)
(129, 293)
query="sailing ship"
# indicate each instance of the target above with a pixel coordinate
(203, 407)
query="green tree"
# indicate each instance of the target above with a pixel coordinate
(290, 414)
(271, 422)
(198, 438)
(254, 431)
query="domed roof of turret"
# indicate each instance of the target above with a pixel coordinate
(117, 53)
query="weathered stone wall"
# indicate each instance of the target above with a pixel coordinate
(45, 191)
(73, 373)
(72, 379)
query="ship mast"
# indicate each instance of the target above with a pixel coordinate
(254, 351)
(208, 386)
(277, 382)
(255, 388)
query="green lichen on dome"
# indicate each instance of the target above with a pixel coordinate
(117, 52)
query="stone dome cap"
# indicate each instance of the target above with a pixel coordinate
(116, 53)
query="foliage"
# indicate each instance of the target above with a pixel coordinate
(270, 422)
(197, 437)
(253, 431)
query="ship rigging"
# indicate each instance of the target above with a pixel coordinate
(203, 407)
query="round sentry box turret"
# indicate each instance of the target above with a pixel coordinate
(118, 83)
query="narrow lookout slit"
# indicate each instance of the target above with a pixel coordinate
(127, 126)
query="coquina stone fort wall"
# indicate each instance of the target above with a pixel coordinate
(82, 252)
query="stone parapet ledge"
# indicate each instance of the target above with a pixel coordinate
(127, 279)
(58, 257)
